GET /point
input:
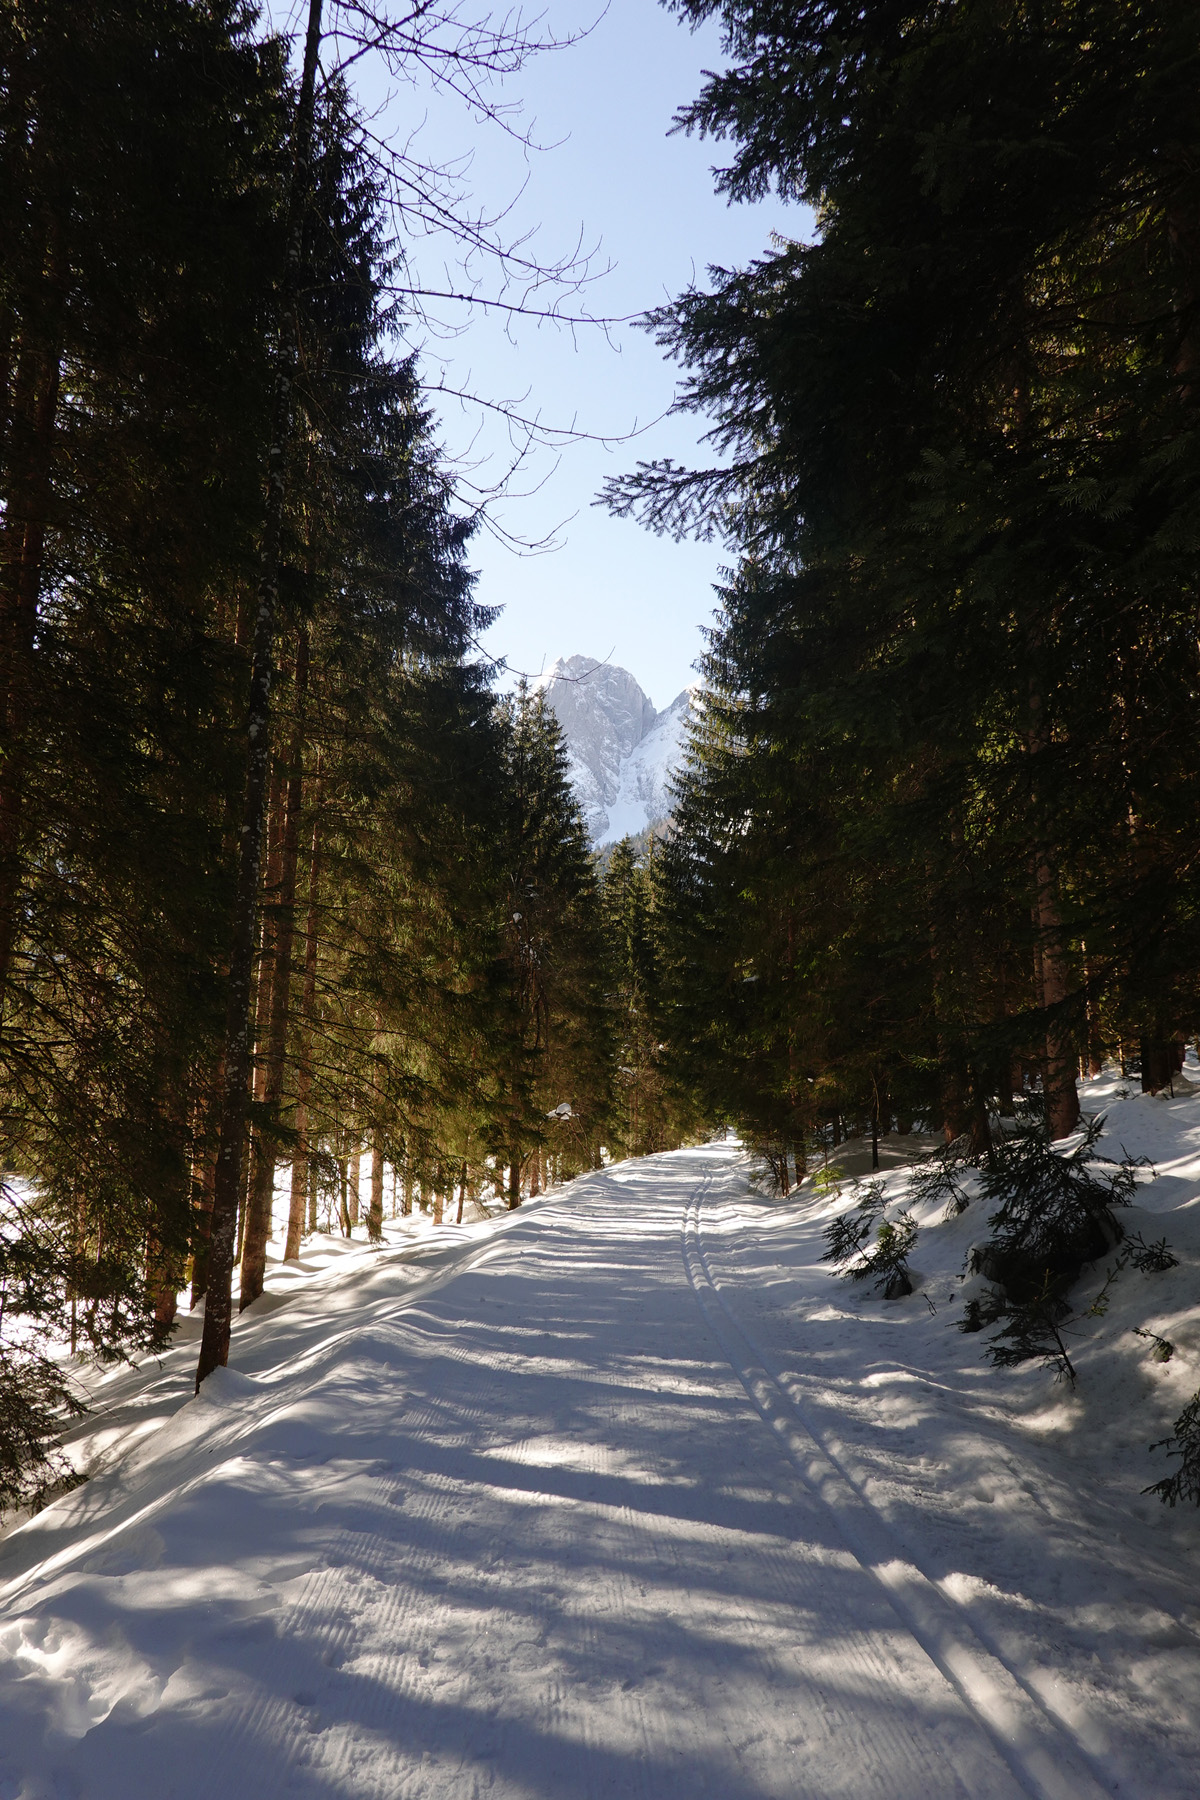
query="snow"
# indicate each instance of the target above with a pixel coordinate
(626, 1493)
(643, 786)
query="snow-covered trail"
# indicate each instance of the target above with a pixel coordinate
(542, 1523)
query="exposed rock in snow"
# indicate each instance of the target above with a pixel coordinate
(623, 752)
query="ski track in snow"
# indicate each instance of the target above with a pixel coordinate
(543, 1515)
(1045, 1763)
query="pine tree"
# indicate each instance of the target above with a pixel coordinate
(962, 469)
(552, 1027)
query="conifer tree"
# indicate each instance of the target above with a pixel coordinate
(551, 1022)
(138, 150)
(962, 471)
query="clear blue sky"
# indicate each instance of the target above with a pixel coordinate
(604, 104)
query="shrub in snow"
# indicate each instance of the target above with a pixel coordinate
(1055, 1213)
(887, 1259)
(1184, 1442)
(1164, 1349)
(847, 1234)
(848, 1242)
(828, 1179)
(1150, 1259)
(35, 1402)
(1033, 1328)
(38, 1312)
(940, 1176)
(772, 1165)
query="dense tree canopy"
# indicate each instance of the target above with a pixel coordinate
(939, 831)
(281, 879)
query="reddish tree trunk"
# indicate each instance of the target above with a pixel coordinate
(208, 1177)
(218, 1310)
(375, 1216)
(266, 1150)
(300, 1164)
(352, 1185)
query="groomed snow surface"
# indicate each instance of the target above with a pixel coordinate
(628, 1494)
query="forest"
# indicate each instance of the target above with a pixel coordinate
(285, 879)
(936, 848)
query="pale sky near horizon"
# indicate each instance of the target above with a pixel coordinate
(611, 589)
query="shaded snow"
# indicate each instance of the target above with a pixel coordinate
(627, 1494)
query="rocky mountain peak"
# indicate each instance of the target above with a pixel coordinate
(622, 750)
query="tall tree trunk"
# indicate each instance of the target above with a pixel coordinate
(981, 1125)
(1095, 1049)
(1062, 1095)
(1157, 1060)
(208, 1179)
(1004, 1088)
(300, 1166)
(355, 1176)
(1183, 227)
(266, 1148)
(375, 1216)
(298, 1194)
(214, 1345)
(34, 407)
(264, 981)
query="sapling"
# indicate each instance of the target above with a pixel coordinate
(1056, 1214)
(982, 1311)
(1099, 1305)
(827, 1180)
(1184, 1442)
(849, 1242)
(1033, 1329)
(846, 1235)
(939, 1176)
(1150, 1259)
(1056, 1211)
(887, 1260)
(1164, 1349)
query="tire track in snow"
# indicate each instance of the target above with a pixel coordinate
(1049, 1764)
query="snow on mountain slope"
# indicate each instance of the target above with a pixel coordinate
(627, 1493)
(622, 752)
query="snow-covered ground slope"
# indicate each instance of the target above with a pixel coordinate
(627, 1494)
(622, 752)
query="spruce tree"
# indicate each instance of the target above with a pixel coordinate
(961, 469)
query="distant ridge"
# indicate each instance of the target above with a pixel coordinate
(623, 752)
